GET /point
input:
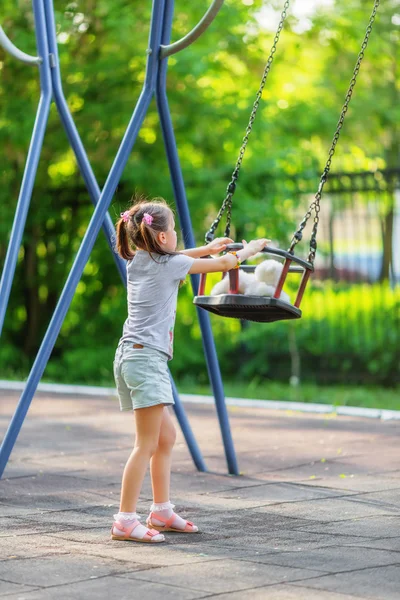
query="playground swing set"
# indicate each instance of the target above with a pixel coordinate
(264, 308)
(232, 304)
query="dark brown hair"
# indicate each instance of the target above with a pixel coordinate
(134, 232)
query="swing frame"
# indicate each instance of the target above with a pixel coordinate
(154, 86)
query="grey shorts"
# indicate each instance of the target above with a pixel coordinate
(142, 377)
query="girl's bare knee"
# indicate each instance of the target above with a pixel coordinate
(147, 448)
(167, 439)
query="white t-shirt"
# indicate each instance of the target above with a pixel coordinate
(153, 283)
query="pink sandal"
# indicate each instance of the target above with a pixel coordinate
(167, 524)
(148, 538)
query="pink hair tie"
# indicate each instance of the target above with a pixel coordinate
(125, 216)
(148, 219)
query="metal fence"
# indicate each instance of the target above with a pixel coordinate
(360, 228)
(350, 331)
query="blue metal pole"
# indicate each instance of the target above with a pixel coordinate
(187, 431)
(73, 135)
(189, 241)
(88, 240)
(31, 163)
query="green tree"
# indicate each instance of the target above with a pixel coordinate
(211, 86)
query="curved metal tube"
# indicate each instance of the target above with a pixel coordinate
(195, 33)
(14, 51)
(252, 268)
(277, 252)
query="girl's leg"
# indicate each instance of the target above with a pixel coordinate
(148, 425)
(160, 464)
(160, 469)
(126, 525)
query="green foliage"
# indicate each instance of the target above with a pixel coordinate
(347, 334)
(211, 87)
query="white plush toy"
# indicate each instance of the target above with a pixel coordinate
(222, 287)
(267, 275)
(262, 283)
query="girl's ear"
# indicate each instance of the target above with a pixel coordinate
(162, 238)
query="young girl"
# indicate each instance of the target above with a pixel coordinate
(154, 271)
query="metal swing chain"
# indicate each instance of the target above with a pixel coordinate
(230, 190)
(315, 205)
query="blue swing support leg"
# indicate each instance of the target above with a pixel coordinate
(73, 135)
(51, 84)
(187, 431)
(32, 160)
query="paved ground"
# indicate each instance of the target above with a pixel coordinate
(315, 515)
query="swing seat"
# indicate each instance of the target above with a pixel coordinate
(261, 309)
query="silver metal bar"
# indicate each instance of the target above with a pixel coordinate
(14, 51)
(252, 268)
(195, 33)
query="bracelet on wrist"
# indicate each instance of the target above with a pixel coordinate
(238, 259)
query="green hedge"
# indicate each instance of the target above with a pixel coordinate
(348, 334)
(345, 335)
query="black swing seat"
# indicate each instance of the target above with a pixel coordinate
(262, 309)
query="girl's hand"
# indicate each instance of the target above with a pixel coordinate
(218, 245)
(252, 248)
(257, 245)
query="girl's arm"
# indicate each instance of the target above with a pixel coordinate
(213, 265)
(229, 261)
(214, 247)
(195, 252)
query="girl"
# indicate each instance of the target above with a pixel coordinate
(154, 271)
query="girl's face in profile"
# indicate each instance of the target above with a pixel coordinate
(169, 238)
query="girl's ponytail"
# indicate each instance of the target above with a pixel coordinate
(124, 248)
(149, 239)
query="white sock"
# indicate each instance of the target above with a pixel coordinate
(127, 519)
(166, 510)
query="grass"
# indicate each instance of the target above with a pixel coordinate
(368, 397)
